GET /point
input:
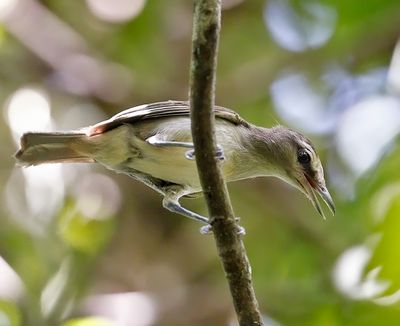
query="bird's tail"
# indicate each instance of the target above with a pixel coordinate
(52, 147)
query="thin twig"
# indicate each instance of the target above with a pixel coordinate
(206, 28)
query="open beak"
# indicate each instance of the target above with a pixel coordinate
(311, 188)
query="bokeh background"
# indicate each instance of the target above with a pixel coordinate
(80, 245)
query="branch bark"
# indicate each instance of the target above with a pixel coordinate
(206, 28)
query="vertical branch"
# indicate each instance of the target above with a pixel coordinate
(206, 28)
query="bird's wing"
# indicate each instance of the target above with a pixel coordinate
(160, 110)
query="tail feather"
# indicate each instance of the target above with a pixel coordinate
(52, 147)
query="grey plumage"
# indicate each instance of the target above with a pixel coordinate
(152, 143)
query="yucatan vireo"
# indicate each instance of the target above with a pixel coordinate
(152, 143)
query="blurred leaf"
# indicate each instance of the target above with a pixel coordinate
(2, 35)
(90, 321)
(380, 195)
(386, 254)
(9, 314)
(82, 233)
(327, 316)
(383, 173)
(24, 254)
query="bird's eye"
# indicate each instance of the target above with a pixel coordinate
(303, 157)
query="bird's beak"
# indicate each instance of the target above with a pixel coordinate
(310, 188)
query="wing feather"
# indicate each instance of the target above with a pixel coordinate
(160, 110)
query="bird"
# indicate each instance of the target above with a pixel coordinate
(152, 143)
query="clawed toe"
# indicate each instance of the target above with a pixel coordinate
(190, 155)
(241, 230)
(207, 229)
(219, 154)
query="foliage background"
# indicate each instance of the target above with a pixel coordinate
(80, 245)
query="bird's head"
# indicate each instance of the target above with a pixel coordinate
(300, 165)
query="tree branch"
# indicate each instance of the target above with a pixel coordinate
(206, 28)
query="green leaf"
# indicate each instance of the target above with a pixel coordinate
(386, 255)
(81, 232)
(90, 321)
(9, 314)
(382, 198)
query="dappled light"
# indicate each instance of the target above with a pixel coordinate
(308, 26)
(53, 290)
(116, 10)
(300, 105)
(365, 133)
(28, 110)
(11, 286)
(7, 6)
(393, 79)
(76, 68)
(97, 196)
(123, 308)
(380, 203)
(348, 275)
(38, 200)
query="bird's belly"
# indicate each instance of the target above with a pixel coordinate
(167, 163)
(170, 164)
(121, 151)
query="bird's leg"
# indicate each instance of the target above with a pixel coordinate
(171, 202)
(154, 140)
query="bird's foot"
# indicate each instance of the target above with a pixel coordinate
(207, 229)
(219, 154)
(240, 230)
